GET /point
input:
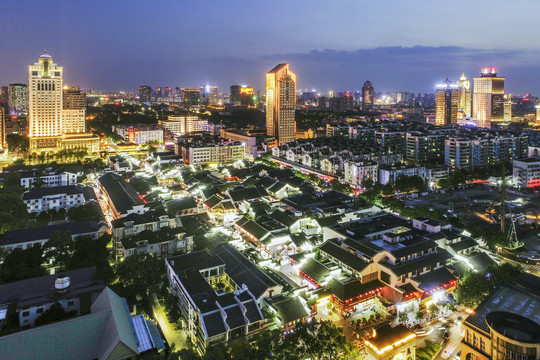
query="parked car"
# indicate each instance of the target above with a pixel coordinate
(446, 335)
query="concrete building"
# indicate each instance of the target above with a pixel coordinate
(139, 134)
(281, 104)
(145, 94)
(527, 172)
(249, 142)
(122, 197)
(488, 99)
(506, 325)
(184, 124)
(389, 173)
(355, 173)
(205, 151)
(425, 147)
(446, 104)
(464, 97)
(18, 99)
(49, 198)
(209, 94)
(218, 295)
(368, 96)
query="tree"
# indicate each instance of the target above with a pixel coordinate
(89, 252)
(433, 309)
(187, 354)
(474, 287)
(143, 272)
(368, 183)
(55, 313)
(22, 264)
(403, 317)
(58, 248)
(419, 315)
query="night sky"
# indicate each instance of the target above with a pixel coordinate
(331, 45)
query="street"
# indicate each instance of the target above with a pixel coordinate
(175, 337)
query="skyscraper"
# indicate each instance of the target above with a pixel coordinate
(209, 94)
(45, 100)
(52, 126)
(18, 99)
(368, 93)
(280, 103)
(446, 104)
(235, 94)
(191, 97)
(3, 143)
(145, 94)
(488, 98)
(464, 97)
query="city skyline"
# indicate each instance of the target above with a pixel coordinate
(141, 47)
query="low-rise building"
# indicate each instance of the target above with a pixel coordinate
(74, 290)
(50, 178)
(217, 306)
(184, 124)
(506, 325)
(122, 197)
(107, 332)
(139, 134)
(394, 343)
(53, 198)
(40, 235)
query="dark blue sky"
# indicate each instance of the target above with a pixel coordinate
(331, 45)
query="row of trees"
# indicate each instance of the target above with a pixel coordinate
(315, 340)
(61, 251)
(61, 155)
(463, 176)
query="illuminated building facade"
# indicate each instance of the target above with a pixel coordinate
(74, 112)
(506, 325)
(246, 96)
(184, 124)
(53, 126)
(145, 94)
(527, 172)
(446, 104)
(3, 143)
(391, 343)
(18, 99)
(368, 95)
(488, 99)
(280, 103)
(464, 97)
(45, 81)
(209, 94)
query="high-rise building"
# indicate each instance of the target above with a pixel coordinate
(3, 143)
(18, 99)
(52, 126)
(368, 95)
(280, 103)
(246, 96)
(235, 94)
(209, 94)
(488, 98)
(464, 97)
(74, 113)
(191, 97)
(145, 94)
(507, 108)
(446, 104)
(45, 104)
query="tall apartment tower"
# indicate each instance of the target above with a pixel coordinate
(368, 93)
(145, 94)
(3, 143)
(464, 97)
(18, 99)
(488, 98)
(446, 104)
(45, 103)
(280, 103)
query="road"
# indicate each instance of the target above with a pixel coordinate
(172, 335)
